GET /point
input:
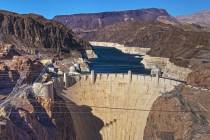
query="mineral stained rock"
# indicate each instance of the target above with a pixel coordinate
(181, 115)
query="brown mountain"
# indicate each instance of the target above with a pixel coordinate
(201, 18)
(139, 34)
(165, 40)
(34, 31)
(94, 21)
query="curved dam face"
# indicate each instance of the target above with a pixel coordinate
(119, 104)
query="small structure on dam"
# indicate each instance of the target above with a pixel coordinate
(121, 102)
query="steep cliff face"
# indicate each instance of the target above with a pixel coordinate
(13, 64)
(32, 117)
(200, 77)
(182, 114)
(91, 22)
(10, 72)
(35, 31)
(30, 121)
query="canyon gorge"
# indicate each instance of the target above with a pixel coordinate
(59, 81)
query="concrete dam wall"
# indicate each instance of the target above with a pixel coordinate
(119, 104)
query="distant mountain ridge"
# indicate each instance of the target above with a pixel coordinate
(201, 18)
(94, 21)
(164, 40)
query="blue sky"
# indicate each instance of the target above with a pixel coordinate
(50, 8)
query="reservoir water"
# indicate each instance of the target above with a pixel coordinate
(112, 60)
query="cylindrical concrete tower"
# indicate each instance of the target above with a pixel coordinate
(92, 76)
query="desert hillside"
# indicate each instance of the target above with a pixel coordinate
(95, 21)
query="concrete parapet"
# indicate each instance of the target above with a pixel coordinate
(129, 79)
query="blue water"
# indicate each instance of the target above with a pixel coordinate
(112, 60)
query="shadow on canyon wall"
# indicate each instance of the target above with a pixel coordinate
(8, 79)
(86, 124)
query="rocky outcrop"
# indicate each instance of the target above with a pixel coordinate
(30, 120)
(34, 111)
(12, 65)
(181, 114)
(23, 114)
(95, 21)
(7, 51)
(35, 32)
(8, 78)
(200, 77)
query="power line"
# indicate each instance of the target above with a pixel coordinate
(115, 108)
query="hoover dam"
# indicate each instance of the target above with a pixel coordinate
(113, 106)
(114, 75)
(120, 104)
